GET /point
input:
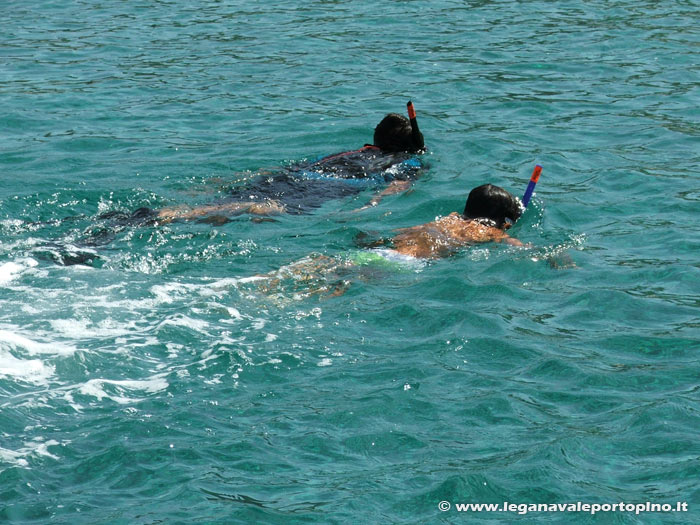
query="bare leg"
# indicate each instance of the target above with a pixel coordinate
(312, 275)
(269, 207)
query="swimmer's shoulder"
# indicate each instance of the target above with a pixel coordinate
(469, 230)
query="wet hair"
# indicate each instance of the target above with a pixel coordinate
(492, 203)
(394, 134)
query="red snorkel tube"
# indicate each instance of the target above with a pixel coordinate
(415, 132)
(531, 186)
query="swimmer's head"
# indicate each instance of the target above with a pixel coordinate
(494, 204)
(394, 134)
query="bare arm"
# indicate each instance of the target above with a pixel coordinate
(511, 241)
(396, 186)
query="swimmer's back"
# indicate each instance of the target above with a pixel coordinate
(305, 186)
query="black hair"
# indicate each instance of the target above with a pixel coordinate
(492, 203)
(394, 134)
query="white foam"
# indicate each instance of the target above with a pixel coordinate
(40, 447)
(234, 313)
(13, 269)
(11, 223)
(167, 293)
(95, 388)
(69, 398)
(12, 339)
(12, 457)
(29, 370)
(29, 309)
(85, 329)
(183, 320)
(36, 447)
(9, 271)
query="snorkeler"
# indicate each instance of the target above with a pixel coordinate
(303, 187)
(488, 213)
(390, 163)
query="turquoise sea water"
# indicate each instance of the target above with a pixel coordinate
(157, 385)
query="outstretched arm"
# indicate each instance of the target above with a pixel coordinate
(511, 241)
(395, 187)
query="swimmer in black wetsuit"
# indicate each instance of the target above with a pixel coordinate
(303, 187)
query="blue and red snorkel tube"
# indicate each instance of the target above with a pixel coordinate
(415, 132)
(531, 186)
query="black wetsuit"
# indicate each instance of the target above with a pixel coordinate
(305, 186)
